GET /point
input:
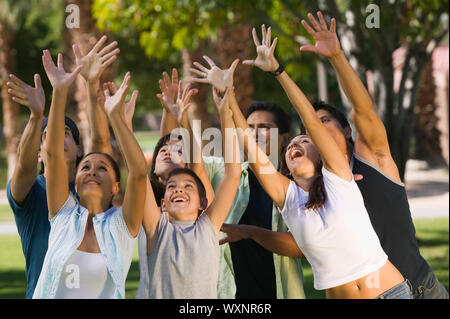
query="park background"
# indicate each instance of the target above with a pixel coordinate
(399, 49)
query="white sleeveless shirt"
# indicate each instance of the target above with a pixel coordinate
(85, 276)
(338, 239)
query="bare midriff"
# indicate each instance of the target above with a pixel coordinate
(369, 286)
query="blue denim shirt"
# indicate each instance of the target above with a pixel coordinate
(67, 230)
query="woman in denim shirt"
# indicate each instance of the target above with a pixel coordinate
(91, 242)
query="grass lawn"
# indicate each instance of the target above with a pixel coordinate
(433, 235)
(147, 139)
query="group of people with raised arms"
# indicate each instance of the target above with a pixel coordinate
(340, 204)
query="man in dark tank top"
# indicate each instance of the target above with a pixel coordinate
(381, 187)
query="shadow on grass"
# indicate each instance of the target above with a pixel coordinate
(13, 284)
(432, 238)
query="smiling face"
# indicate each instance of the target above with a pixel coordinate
(96, 178)
(302, 157)
(182, 199)
(168, 158)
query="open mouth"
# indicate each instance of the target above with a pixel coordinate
(179, 199)
(296, 153)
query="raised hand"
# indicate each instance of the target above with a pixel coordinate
(128, 107)
(114, 102)
(32, 97)
(220, 79)
(327, 43)
(58, 77)
(265, 59)
(181, 104)
(222, 102)
(97, 60)
(169, 89)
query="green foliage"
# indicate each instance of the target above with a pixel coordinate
(163, 25)
(37, 27)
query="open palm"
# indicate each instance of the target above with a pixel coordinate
(32, 97)
(265, 59)
(128, 107)
(58, 77)
(169, 89)
(220, 79)
(327, 42)
(96, 61)
(114, 102)
(182, 102)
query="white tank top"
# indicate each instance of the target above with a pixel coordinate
(85, 276)
(337, 239)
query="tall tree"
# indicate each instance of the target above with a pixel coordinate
(185, 31)
(85, 35)
(416, 27)
(427, 136)
(10, 21)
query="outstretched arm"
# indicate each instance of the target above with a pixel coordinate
(220, 207)
(135, 191)
(371, 141)
(274, 183)
(178, 110)
(169, 89)
(280, 243)
(56, 169)
(220, 80)
(25, 170)
(333, 159)
(94, 64)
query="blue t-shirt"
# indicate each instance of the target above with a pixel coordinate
(34, 228)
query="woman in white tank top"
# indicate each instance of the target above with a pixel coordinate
(322, 205)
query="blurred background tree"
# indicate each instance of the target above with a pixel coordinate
(157, 35)
(26, 28)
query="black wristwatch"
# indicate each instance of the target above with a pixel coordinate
(278, 71)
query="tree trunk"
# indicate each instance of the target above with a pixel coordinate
(405, 101)
(234, 42)
(426, 134)
(85, 36)
(11, 129)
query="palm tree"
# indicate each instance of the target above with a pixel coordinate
(11, 12)
(85, 36)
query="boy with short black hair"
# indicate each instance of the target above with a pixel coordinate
(183, 247)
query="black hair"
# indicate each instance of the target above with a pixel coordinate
(158, 187)
(335, 113)
(198, 182)
(282, 120)
(75, 135)
(69, 123)
(317, 193)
